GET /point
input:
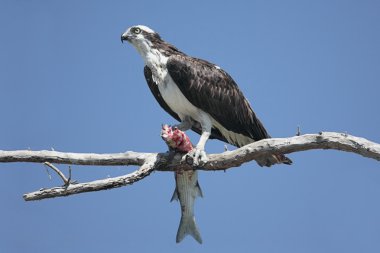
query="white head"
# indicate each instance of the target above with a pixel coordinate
(145, 40)
(141, 37)
(136, 32)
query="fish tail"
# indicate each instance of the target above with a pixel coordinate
(187, 226)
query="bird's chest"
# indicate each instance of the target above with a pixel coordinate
(175, 99)
(159, 73)
(169, 90)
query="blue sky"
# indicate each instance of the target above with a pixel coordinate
(68, 83)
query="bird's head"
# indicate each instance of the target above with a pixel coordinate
(144, 39)
(141, 37)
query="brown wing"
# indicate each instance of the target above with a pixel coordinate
(211, 89)
(157, 95)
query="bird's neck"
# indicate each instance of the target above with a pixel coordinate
(151, 55)
(155, 60)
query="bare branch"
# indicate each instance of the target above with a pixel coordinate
(253, 151)
(169, 162)
(127, 158)
(323, 140)
(225, 160)
(98, 185)
(60, 174)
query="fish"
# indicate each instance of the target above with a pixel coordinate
(187, 189)
(187, 185)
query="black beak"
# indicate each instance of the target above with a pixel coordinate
(124, 37)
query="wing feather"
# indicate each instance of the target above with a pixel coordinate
(214, 91)
(157, 95)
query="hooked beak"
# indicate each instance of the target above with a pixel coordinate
(125, 36)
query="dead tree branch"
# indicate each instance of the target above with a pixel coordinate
(66, 181)
(168, 162)
(97, 185)
(127, 158)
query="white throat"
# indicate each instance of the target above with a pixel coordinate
(154, 59)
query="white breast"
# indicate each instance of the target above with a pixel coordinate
(170, 92)
(182, 106)
(175, 99)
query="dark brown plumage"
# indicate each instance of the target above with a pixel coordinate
(211, 89)
(205, 86)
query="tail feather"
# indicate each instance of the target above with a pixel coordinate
(188, 226)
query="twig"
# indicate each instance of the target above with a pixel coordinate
(69, 179)
(66, 181)
(298, 131)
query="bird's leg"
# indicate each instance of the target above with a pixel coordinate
(185, 124)
(198, 153)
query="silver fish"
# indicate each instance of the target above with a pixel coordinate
(187, 189)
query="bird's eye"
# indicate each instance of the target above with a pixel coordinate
(136, 30)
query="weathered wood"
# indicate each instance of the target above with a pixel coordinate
(323, 140)
(127, 158)
(97, 185)
(172, 162)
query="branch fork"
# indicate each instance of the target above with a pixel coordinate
(149, 162)
(66, 181)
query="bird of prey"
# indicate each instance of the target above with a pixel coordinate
(199, 94)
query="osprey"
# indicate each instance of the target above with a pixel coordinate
(199, 94)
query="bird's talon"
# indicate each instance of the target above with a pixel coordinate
(189, 160)
(198, 156)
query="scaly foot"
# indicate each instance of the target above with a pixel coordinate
(199, 156)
